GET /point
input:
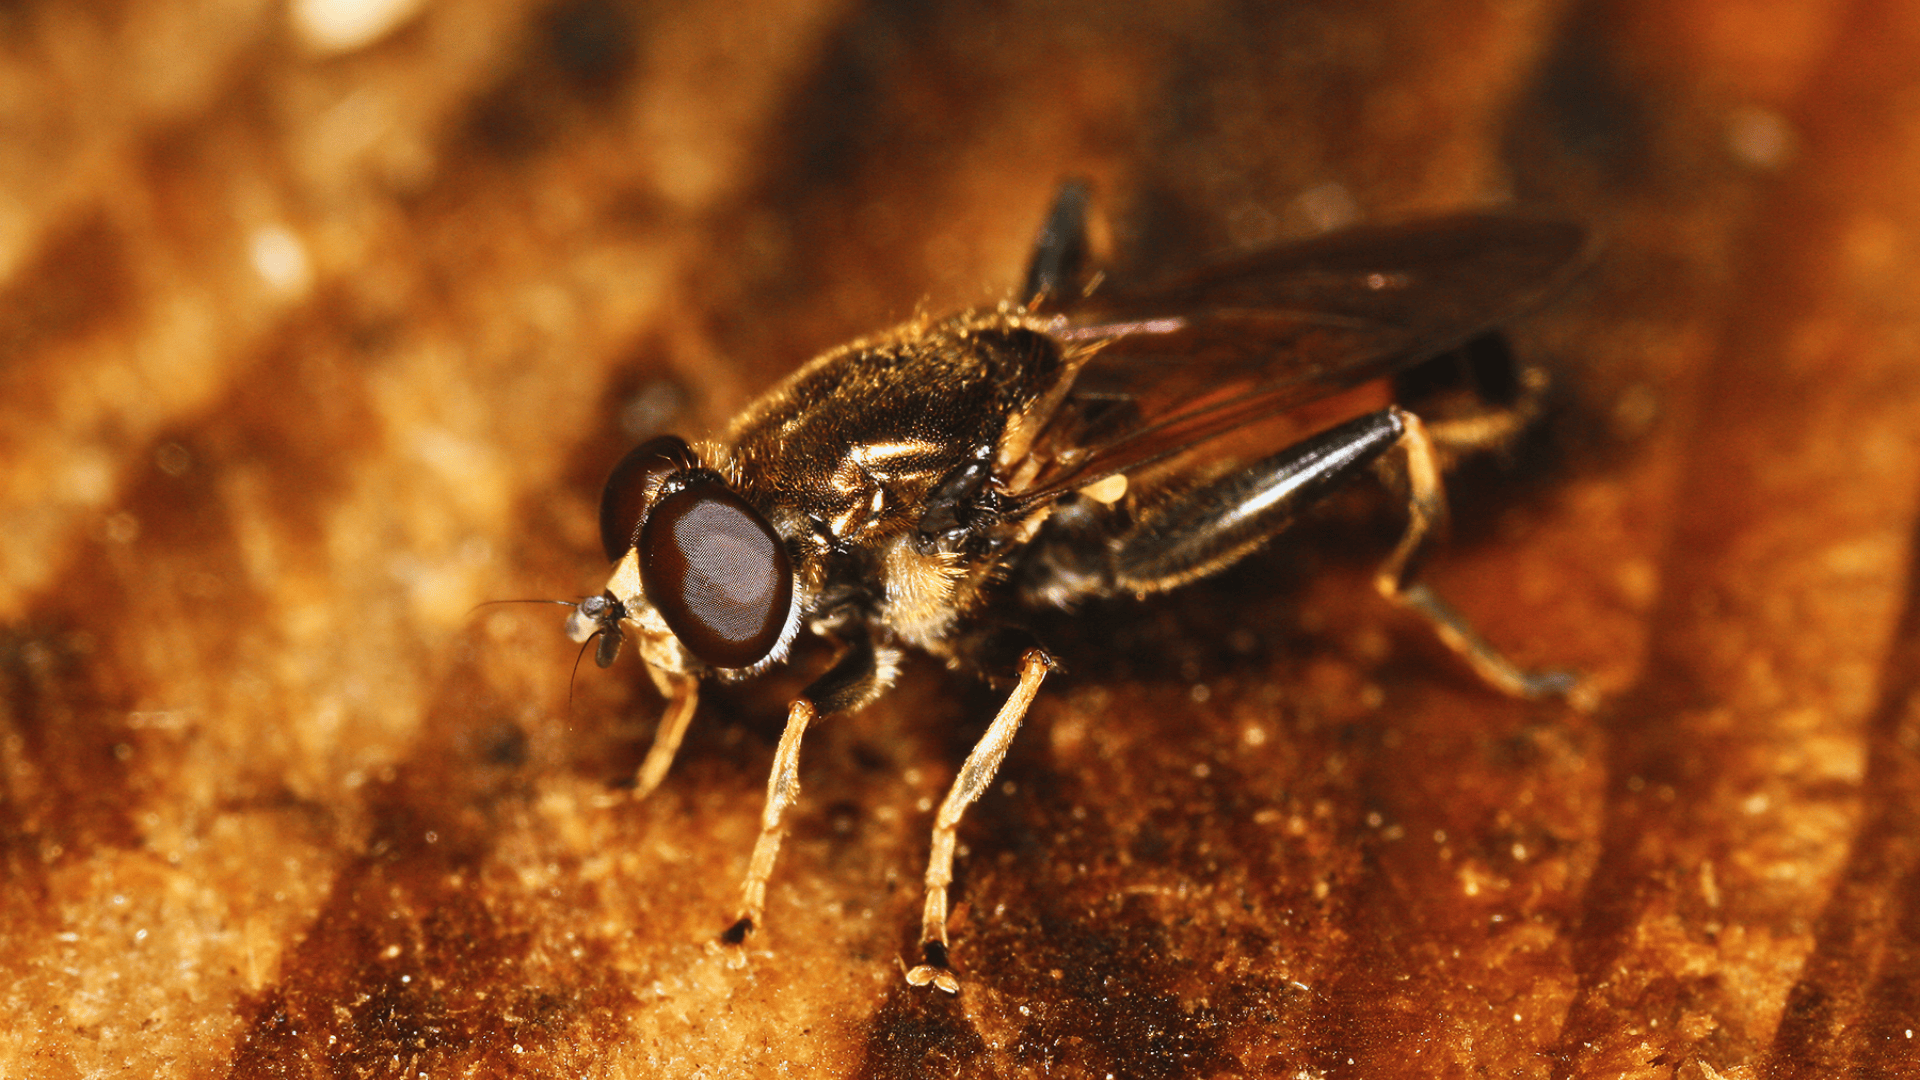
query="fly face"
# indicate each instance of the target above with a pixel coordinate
(918, 488)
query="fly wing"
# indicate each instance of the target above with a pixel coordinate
(1175, 364)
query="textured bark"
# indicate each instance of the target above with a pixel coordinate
(303, 355)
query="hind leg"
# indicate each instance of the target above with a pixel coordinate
(1396, 580)
(1188, 534)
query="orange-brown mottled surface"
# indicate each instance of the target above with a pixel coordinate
(306, 350)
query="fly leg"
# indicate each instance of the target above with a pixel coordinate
(975, 776)
(860, 674)
(683, 696)
(1426, 508)
(1189, 534)
(1057, 266)
(783, 790)
(1474, 398)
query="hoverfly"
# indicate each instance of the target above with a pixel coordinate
(918, 488)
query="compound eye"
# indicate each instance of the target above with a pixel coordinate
(632, 483)
(717, 573)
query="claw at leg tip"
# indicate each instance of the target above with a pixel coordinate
(934, 970)
(924, 974)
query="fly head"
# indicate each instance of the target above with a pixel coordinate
(693, 560)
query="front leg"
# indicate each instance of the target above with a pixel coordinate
(683, 696)
(857, 677)
(975, 775)
(783, 789)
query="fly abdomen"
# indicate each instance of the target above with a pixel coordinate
(1192, 532)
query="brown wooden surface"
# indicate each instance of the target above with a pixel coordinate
(273, 803)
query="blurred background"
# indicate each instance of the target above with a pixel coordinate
(322, 321)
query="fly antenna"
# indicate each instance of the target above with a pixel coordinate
(488, 603)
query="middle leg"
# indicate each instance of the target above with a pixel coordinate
(974, 777)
